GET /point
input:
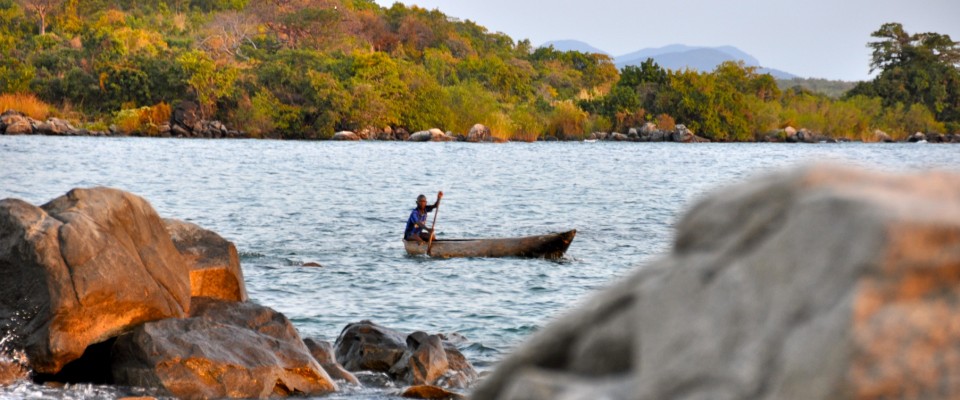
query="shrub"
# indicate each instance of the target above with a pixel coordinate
(567, 120)
(665, 122)
(26, 103)
(143, 120)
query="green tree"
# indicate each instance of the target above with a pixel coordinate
(915, 68)
(209, 81)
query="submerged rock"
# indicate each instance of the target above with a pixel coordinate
(84, 268)
(821, 283)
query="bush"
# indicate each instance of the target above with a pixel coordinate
(666, 123)
(143, 120)
(567, 120)
(26, 103)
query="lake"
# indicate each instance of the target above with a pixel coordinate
(344, 205)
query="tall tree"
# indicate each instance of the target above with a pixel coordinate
(42, 8)
(922, 68)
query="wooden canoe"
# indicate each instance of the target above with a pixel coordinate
(550, 246)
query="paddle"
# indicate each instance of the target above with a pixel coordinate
(436, 211)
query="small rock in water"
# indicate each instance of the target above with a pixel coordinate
(312, 264)
(430, 392)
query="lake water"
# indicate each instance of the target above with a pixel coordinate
(344, 205)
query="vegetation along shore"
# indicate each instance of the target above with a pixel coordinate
(308, 69)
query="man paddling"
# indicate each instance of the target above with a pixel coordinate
(417, 223)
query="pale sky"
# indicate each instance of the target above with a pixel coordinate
(809, 38)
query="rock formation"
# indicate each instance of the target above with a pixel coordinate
(82, 269)
(820, 283)
(414, 359)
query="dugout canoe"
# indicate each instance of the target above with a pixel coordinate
(550, 246)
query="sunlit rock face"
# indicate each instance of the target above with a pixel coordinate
(224, 350)
(823, 282)
(213, 261)
(83, 268)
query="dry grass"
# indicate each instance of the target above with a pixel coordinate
(145, 120)
(25, 103)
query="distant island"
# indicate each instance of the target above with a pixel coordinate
(308, 70)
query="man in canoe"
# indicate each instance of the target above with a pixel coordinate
(417, 223)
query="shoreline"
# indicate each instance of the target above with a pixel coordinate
(15, 123)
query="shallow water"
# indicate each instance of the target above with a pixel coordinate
(344, 205)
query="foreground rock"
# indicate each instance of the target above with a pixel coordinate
(82, 269)
(213, 261)
(226, 349)
(820, 283)
(414, 359)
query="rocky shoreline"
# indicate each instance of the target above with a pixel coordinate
(99, 289)
(185, 122)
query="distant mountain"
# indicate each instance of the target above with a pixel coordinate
(677, 56)
(573, 45)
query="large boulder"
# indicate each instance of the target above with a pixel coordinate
(820, 283)
(83, 268)
(212, 260)
(200, 358)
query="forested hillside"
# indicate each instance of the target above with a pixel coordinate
(308, 68)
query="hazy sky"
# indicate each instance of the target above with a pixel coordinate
(810, 38)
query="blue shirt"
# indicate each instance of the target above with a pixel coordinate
(416, 223)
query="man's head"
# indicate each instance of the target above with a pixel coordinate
(421, 201)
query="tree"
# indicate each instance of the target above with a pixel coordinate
(921, 68)
(209, 81)
(42, 8)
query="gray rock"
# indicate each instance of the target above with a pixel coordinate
(820, 283)
(681, 134)
(479, 133)
(213, 261)
(322, 351)
(618, 137)
(422, 136)
(916, 137)
(346, 136)
(881, 136)
(366, 346)
(414, 359)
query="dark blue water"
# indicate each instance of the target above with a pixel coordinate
(344, 205)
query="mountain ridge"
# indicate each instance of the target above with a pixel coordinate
(676, 56)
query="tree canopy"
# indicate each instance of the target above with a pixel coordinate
(308, 68)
